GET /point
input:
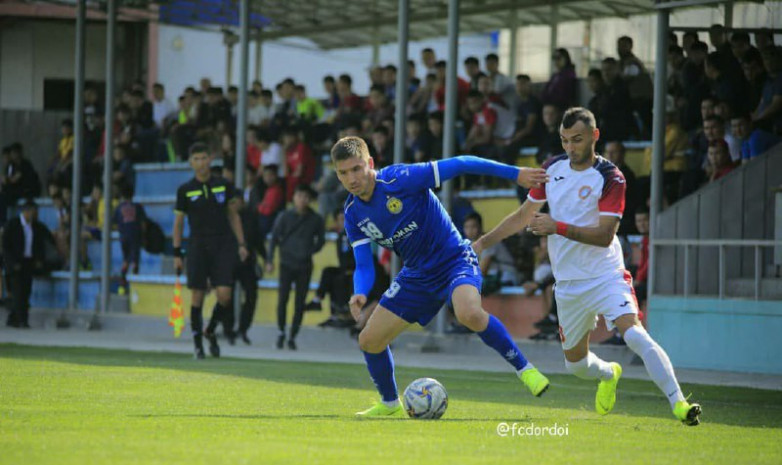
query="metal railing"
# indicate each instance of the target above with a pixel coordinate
(721, 245)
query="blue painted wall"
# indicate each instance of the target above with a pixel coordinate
(712, 334)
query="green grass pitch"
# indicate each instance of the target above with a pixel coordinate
(86, 406)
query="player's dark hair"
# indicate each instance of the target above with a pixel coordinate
(576, 114)
(349, 147)
(198, 147)
(627, 39)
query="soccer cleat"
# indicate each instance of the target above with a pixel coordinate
(214, 349)
(381, 410)
(606, 391)
(687, 413)
(535, 381)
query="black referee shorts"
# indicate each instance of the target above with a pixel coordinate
(212, 261)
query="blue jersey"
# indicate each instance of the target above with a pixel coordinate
(405, 216)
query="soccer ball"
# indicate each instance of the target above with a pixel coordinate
(425, 398)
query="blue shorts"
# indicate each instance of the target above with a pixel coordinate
(417, 297)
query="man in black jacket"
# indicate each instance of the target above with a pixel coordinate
(24, 248)
(300, 233)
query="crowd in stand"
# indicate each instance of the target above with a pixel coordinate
(724, 108)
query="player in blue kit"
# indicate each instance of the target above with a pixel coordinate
(396, 209)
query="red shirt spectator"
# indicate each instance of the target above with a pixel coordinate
(300, 166)
(272, 200)
(253, 156)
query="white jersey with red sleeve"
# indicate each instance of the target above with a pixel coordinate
(580, 198)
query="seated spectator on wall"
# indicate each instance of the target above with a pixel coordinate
(754, 142)
(768, 114)
(720, 163)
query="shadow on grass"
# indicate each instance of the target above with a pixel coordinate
(722, 405)
(331, 417)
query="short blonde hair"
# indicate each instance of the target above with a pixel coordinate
(349, 147)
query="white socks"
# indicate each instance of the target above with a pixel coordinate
(658, 365)
(590, 367)
(528, 366)
(392, 404)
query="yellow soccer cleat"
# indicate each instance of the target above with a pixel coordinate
(536, 382)
(606, 391)
(381, 410)
(687, 413)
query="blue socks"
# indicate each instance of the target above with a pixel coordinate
(496, 336)
(381, 369)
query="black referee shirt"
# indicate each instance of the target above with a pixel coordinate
(205, 204)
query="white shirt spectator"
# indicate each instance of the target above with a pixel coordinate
(161, 109)
(258, 114)
(274, 155)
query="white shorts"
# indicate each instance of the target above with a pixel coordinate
(579, 302)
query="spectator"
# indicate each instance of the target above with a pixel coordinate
(381, 108)
(472, 68)
(162, 108)
(642, 272)
(434, 151)
(310, 110)
(674, 159)
(755, 75)
(768, 114)
(271, 152)
(417, 140)
(60, 165)
(261, 109)
(550, 143)
(676, 63)
(616, 117)
(299, 163)
(428, 59)
(299, 232)
(689, 38)
(142, 112)
(349, 103)
(500, 83)
(130, 219)
(485, 87)
(382, 147)
(720, 163)
(462, 87)
(247, 273)
(694, 87)
(615, 153)
(24, 249)
(754, 142)
(123, 169)
(639, 83)
(332, 98)
(337, 281)
(718, 37)
(389, 82)
(728, 87)
(560, 90)
(20, 180)
(271, 204)
(376, 76)
(528, 112)
(740, 44)
(423, 100)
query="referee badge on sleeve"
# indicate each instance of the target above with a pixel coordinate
(394, 205)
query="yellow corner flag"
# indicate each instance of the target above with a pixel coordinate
(176, 316)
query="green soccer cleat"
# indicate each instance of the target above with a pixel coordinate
(687, 413)
(381, 410)
(606, 391)
(535, 381)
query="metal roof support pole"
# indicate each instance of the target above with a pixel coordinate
(258, 56)
(105, 269)
(402, 87)
(553, 36)
(658, 139)
(229, 40)
(728, 15)
(514, 47)
(78, 153)
(241, 115)
(376, 48)
(449, 135)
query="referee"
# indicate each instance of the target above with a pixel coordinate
(213, 212)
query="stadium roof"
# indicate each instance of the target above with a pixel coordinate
(339, 23)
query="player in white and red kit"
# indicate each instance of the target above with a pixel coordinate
(586, 197)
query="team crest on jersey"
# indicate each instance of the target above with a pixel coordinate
(584, 192)
(394, 205)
